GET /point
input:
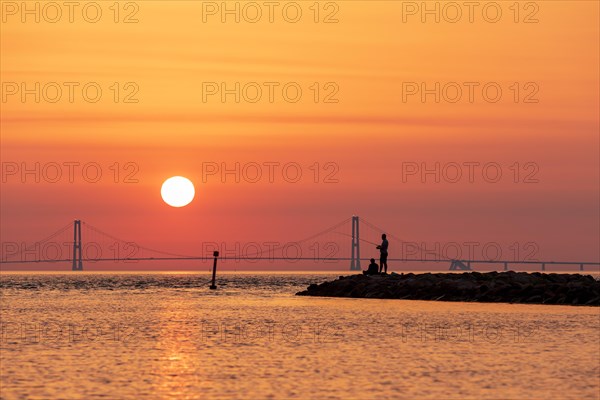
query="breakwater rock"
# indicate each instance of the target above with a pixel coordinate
(490, 287)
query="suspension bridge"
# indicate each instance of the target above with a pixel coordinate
(340, 242)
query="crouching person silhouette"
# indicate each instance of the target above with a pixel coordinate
(373, 268)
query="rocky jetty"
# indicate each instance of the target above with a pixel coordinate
(489, 287)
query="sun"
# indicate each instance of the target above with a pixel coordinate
(177, 191)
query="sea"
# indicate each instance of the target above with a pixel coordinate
(167, 335)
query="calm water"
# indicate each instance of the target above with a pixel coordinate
(146, 336)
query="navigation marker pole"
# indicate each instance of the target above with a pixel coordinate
(214, 275)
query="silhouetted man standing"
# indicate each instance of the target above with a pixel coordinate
(383, 249)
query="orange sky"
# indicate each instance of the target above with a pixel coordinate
(370, 133)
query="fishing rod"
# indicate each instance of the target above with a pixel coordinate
(362, 240)
(377, 244)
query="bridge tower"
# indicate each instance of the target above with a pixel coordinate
(77, 263)
(457, 265)
(355, 263)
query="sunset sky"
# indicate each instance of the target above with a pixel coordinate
(372, 132)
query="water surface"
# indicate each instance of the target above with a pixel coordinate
(166, 335)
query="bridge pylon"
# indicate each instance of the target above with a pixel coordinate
(355, 259)
(458, 265)
(77, 262)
